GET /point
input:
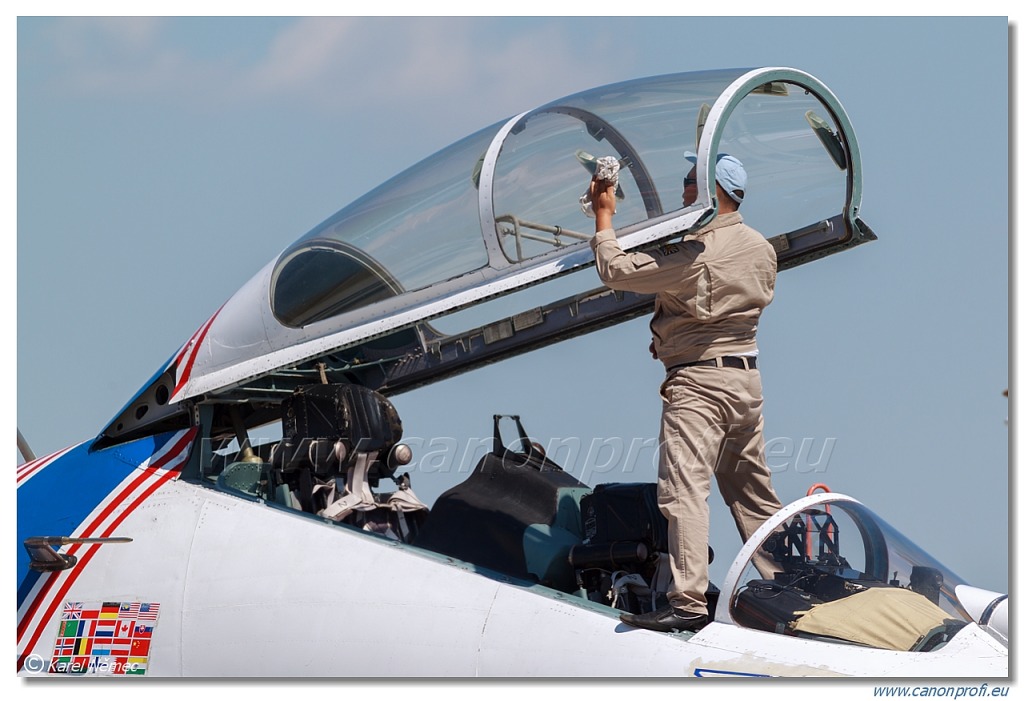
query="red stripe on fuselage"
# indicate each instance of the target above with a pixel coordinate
(199, 336)
(147, 474)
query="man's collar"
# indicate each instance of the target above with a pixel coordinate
(721, 221)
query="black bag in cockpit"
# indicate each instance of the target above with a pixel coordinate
(625, 512)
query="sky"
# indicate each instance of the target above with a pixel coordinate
(162, 161)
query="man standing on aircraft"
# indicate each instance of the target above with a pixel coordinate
(710, 290)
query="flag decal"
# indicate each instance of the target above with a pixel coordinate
(104, 638)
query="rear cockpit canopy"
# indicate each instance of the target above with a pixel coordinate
(375, 294)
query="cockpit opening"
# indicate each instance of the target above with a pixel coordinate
(829, 570)
(518, 515)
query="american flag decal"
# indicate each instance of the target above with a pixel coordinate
(104, 638)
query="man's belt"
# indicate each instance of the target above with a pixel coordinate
(743, 362)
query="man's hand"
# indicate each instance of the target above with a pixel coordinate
(602, 197)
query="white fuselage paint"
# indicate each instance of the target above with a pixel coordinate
(250, 590)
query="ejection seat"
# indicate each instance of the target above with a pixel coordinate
(339, 440)
(517, 514)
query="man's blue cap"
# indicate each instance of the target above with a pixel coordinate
(729, 173)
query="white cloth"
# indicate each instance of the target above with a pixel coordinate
(607, 168)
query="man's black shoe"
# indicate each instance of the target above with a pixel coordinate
(666, 620)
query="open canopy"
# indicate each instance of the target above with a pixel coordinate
(390, 291)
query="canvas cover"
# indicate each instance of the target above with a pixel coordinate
(883, 617)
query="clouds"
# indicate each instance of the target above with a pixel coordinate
(303, 59)
(108, 56)
(112, 38)
(336, 65)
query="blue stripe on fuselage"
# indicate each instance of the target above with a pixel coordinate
(58, 499)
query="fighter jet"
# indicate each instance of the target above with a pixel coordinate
(174, 544)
